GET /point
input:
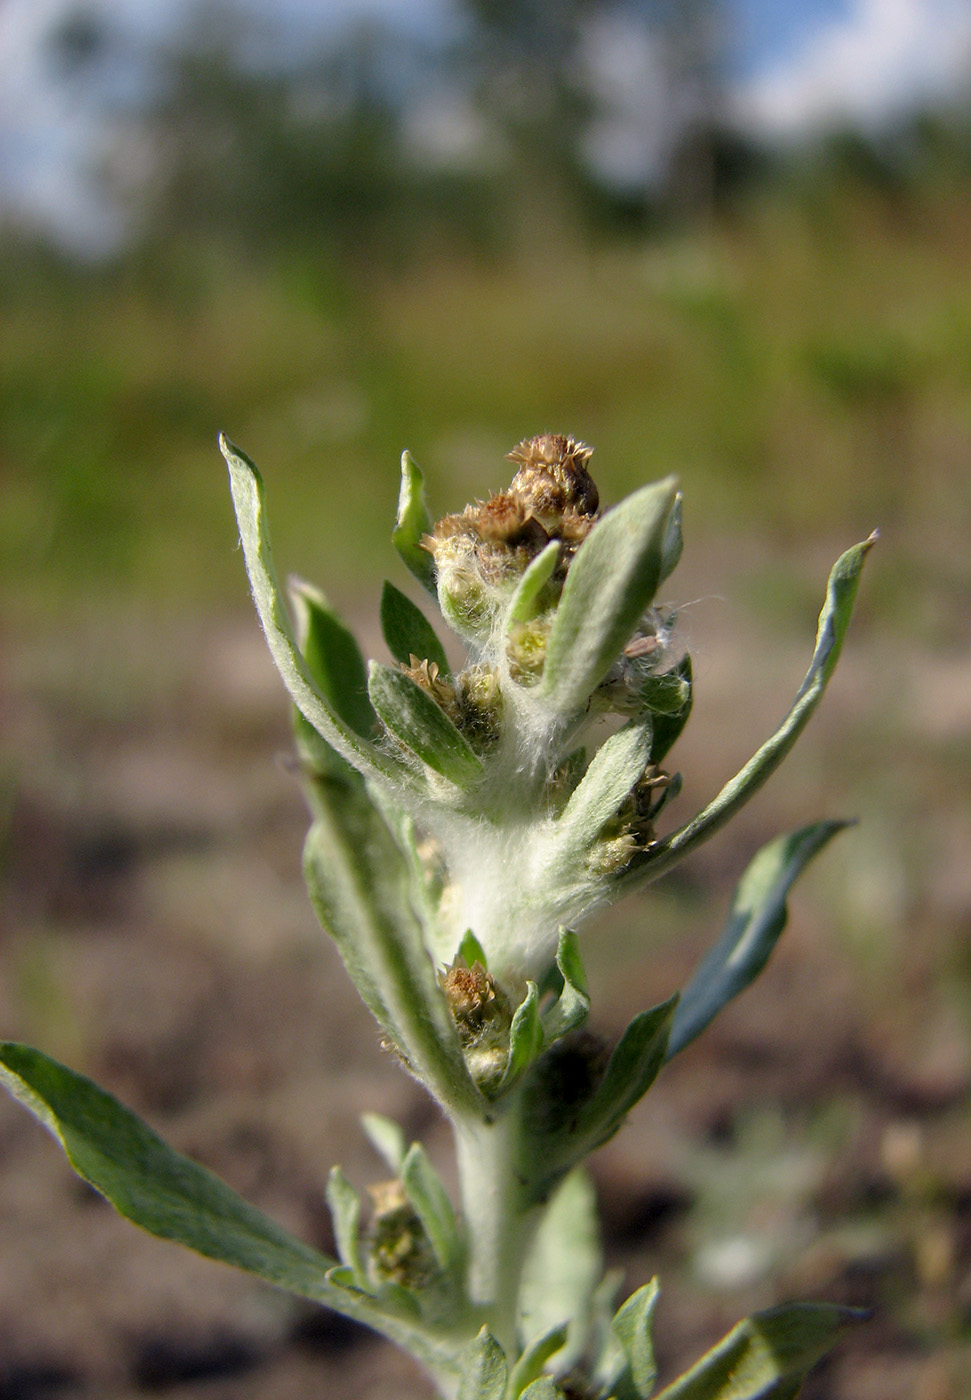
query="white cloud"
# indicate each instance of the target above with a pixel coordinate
(878, 58)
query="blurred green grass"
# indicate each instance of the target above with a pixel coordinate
(807, 372)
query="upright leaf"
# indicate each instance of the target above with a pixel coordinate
(614, 770)
(563, 1270)
(421, 725)
(532, 583)
(766, 1357)
(484, 1370)
(412, 523)
(756, 921)
(345, 1210)
(248, 499)
(387, 1139)
(525, 1038)
(632, 1327)
(359, 885)
(430, 1199)
(408, 632)
(611, 582)
(673, 543)
(572, 1003)
(333, 657)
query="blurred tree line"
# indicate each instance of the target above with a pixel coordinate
(517, 119)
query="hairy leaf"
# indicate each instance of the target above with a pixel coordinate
(413, 521)
(408, 632)
(421, 725)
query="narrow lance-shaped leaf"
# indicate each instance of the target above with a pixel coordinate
(563, 1270)
(572, 1003)
(248, 499)
(337, 667)
(413, 717)
(408, 632)
(525, 1038)
(611, 582)
(833, 622)
(484, 1369)
(176, 1199)
(562, 1134)
(387, 1138)
(345, 1211)
(430, 1199)
(766, 1357)
(534, 1357)
(532, 583)
(632, 1327)
(543, 1389)
(673, 542)
(614, 769)
(413, 521)
(359, 885)
(667, 724)
(756, 921)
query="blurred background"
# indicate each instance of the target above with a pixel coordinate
(727, 238)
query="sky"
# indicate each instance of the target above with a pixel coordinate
(796, 66)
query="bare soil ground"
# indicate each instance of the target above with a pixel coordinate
(155, 935)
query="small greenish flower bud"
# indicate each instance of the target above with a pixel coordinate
(526, 649)
(400, 1250)
(483, 1014)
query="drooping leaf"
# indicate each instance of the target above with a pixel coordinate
(563, 1270)
(430, 1200)
(831, 631)
(757, 919)
(613, 771)
(572, 1003)
(345, 1210)
(632, 1328)
(534, 1357)
(421, 725)
(484, 1370)
(532, 583)
(387, 1139)
(359, 884)
(766, 1357)
(413, 521)
(611, 582)
(408, 632)
(248, 499)
(525, 1038)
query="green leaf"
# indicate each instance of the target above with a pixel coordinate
(631, 1070)
(534, 1357)
(563, 1270)
(757, 919)
(767, 1356)
(472, 951)
(421, 725)
(152, 1185)
(248, 499)
(359, 884)
(667, 694)
(572, 1003)
(408, 632)
(831, 631)
(413, 521)
(615, 768)
(345, 1210)
(673, 542)
(430, 1199)
(562, 1128)
(668, 726)
(543, 1389)
(387, 1139)
(525, 1038)
(333, 657)
(632, 1327)
(611, 582)
(484, 1369)
(532, 583)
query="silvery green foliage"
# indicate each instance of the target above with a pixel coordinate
(466, 820)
